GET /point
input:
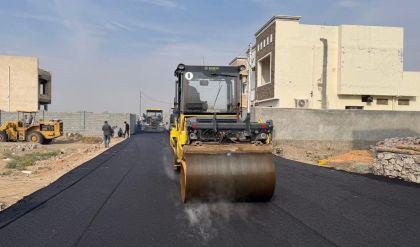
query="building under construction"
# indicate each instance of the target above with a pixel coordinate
(23, 85)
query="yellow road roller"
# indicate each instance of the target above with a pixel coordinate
(219, 153)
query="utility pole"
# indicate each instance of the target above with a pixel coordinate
(248, 96)
(9, 88)
(140, 104)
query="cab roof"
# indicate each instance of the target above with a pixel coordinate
(209, 68)
(154, 110)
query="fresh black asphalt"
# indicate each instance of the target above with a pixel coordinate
(128, 196)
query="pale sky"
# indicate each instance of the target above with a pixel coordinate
(102, 52)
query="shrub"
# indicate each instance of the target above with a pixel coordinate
(6, 173)
(20, 162)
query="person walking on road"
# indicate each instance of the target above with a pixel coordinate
(107, 130)
(127, 130)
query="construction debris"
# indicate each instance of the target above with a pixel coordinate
(22, 147)
(74, 136)
(398, 158)
(2, 206)
(356, 161)
(393, 142)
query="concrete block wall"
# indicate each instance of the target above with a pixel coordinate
(72, 122)
(85, 123)
(338, 128)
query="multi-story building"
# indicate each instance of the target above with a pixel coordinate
(238, 61)
(332, 67)
(23, 85)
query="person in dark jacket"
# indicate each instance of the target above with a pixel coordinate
(127, 130)
(107, 131)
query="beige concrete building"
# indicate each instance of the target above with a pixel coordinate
(23, 85)
(332, 67)
(238, 61)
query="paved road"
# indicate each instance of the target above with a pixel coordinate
(129, 197)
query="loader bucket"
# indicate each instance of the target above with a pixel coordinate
(228, 174)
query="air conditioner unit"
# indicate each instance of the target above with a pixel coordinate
(302, 103)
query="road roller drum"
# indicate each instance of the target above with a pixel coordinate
(228, 176)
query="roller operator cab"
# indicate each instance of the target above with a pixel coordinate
(219, 152)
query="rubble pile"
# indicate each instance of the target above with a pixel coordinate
(2, 206)
(398, 158)
(74, 136)
(22, 147)
(394, 142)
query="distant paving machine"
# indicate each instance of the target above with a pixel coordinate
(220, 154)
(153, 121)
(28, 129)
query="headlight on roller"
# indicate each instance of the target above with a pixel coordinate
(193, 136)
(263, 136)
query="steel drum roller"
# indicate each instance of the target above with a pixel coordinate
(230, 176)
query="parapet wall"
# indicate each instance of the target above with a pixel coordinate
(338, 128)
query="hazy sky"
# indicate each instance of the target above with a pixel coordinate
(101, 53)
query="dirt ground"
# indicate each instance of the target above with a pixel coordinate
(67, 154)
(358, 161)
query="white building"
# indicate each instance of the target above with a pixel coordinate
(332, 67)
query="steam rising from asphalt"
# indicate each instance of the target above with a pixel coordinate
(200, 219)
(168, 167)
(206, 219)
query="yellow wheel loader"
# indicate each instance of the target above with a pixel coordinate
(220, 154)
(28, 129)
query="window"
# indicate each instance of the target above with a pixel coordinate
(264, 70)
(42, 89)
(42, 86)
(354, 107)
(403, 102)
(207, 92)
(264, 43)
(271, 38)
(382, 101)
(367, 98)
(268, 41)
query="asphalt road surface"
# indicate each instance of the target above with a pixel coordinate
(128, 196)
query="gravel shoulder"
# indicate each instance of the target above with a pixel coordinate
(356, 161)
(393, 157)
